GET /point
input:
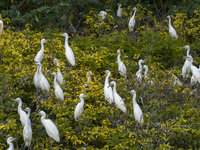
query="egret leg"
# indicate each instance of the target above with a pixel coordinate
(51, 142)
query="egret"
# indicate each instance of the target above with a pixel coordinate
(131, 23)
(9, 141)
(68, 51)
(193, 80)
(186, 68)
(145, 75)
(59, 75)
(27, 131)
(137, 110)
(58, 91)
(139, 72)
(22, 114)
(50, 128)
(79, 107)
(118, 100)
(103, 15)
(119, 10)
(1, 26)
(107, 89)
(44, 84)
(195, 71)
(121, 66)
(36, 79)
(172, 31)
(40, 55)
(88, 76)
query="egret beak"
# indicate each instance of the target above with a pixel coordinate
(13, 139)
(85, 96)
(37, 114)
(185, 57)
(61, 34)
(13, 100)
(108, 86)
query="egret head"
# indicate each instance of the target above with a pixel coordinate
(64, 34)
(17, 100)
(112, 83)
(168, 17)
(89, 73)
(43, 41)
(82, 96)
(54, 74)
(27, 110)
(186, 47)
(41, 113)
(118, 52)
(141, 61)
(55, 60)
(189, 58)
(134, 8)
(119, 4)
(145, 67)
(132, 92)
(107, 71)
(38, 64)
(10, 139)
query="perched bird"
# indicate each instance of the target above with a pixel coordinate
(9, 141)
(145, 75)
(22, 114)
(88, 76)
(59, 75)
(119, 10)
(193, 80)
(40, 55)
(68, 51)
(131, 23)
(121, 66)
(137, 110)
(1, 26)
(172, 31)
(27, 131)
(44, 84)
(58, 91)
(118, 100)
(50, 128)
(186, 68)
(36, 79)
(79, 107)
(108, 93)
(139, 72)
(103, 15)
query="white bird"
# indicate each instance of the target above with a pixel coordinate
(145, 75)
(22, 114)
(27, 131)
(68, 51)
(103, 15)
(1, 26)
(172, 31)
(131, 23)
(58, 91)
(79, 107)
(108, 93)
(44, 84)
(193, 80)
(118, 100)
(194, 69)
(88, 76)
(59, 75)
(50, 128)
(137, 110)
(9, 141)
(139, 72)
(119, 10)
(40, 55)
(186, 68)
(121, 66)
(36, 78)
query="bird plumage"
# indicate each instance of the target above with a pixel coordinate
(40, 55)
(172, 31)
(79, 107)
(108, 93)
(131, 23)
(186, 68)
(1, 26)
(9, 141)
(119, 10)
(59, 75)
(149, 81)
(58, 91)
(102, 15)
(121, 66)
(27, 131)
(139, 72)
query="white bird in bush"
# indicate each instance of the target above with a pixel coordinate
(103, 15)
(119, 10)
(68, 51)
(40, 55)
(131, 23)
(79, 107)
(88, 76)
(139, 72)
(172, 31)
(58, 91)
(23, 115)
(9, 141)
(44, 84)
(50, 128)
(27, 131)
(1, 26)
(118, 100)
(121, 66)
(36, 79)
(59, 75)
(137, 110)
(193, 80)
(186, 68)
(108, 93)
(145, 75)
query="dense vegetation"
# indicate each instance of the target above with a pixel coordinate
(171, 113)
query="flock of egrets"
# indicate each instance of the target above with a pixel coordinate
(111, 95)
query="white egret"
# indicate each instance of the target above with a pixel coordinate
(58, 91)
(50, 128)
(103, 15)
(108, 93)
(22, 114)
(186, 68)
(1, 26)
(9, 141)
(79, 107)
(44, 84)
(59, 75)
(193, 80)
(88, 76)
(118, 100)
(40, 55)
(27, 131)
(145, 75)
(172, 31)
(36, 79)
(137, 110)
(68, 51)
(119, 10)
(131, 23)
(139, 72)
(121, 66)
